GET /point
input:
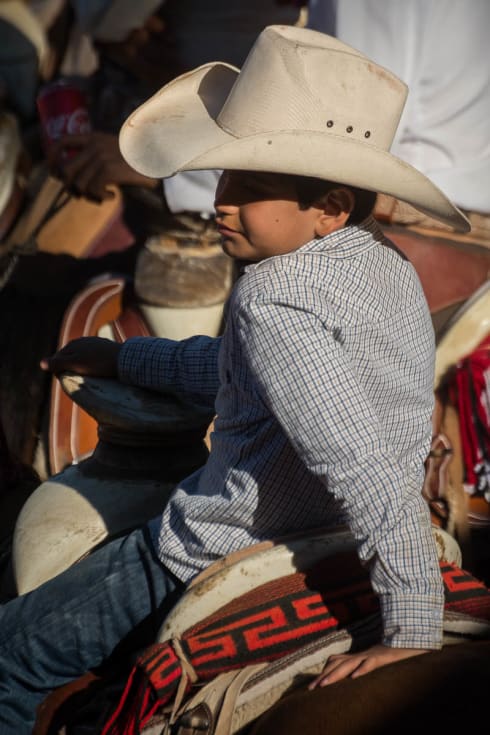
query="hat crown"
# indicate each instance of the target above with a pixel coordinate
(303, 104)
(292, 80)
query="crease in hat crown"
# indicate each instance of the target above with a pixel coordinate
(284, 59)
(303, 103)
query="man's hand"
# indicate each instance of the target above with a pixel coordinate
(86, 356)
(340, 666)
(89, 163)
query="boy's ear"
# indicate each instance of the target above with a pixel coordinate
(337, 206)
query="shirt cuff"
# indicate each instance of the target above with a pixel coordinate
(412, 621)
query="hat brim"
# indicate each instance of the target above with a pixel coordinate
(176, 130)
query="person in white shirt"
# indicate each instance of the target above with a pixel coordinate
(440, 50)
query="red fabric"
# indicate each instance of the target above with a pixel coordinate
(267, 623)
(470, 393)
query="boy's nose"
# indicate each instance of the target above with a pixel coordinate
(224, 206)
(223, 203)
(223, 212)
(224, 199)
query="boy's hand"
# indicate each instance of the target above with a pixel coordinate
(340, 666)
(86, 356)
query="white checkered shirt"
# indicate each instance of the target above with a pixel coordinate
(323, 390)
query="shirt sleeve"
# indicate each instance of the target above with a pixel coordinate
(188, 366)
(309, 384)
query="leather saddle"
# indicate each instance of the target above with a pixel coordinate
(72, 431)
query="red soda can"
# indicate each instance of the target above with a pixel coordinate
(63, 110)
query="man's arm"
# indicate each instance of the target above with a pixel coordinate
(95, 162)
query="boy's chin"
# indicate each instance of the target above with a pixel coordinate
(231, 249)
(241, 253)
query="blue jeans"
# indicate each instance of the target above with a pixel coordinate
(74, 622)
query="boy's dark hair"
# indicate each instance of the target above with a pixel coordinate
(311, 190)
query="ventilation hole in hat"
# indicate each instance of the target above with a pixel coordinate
(367, 134)
(349, 128)
(329, 123)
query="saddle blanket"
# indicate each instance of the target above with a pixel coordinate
(272, 621)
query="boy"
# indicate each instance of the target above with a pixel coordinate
(322, 381)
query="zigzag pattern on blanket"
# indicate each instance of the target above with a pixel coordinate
(267, 623)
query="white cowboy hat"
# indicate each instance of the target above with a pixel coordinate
(304, 103)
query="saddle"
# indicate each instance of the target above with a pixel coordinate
(258, 624)
(147, 442)
(182, 279)
(451, 266)
(72, 431)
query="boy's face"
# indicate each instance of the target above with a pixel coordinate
(258, 215)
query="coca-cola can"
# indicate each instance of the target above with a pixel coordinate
(63, 110)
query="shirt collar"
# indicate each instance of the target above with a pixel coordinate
(344, 243)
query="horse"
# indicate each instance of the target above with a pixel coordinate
(443, 691)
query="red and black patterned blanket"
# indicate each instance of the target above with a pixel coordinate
(267, 623)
